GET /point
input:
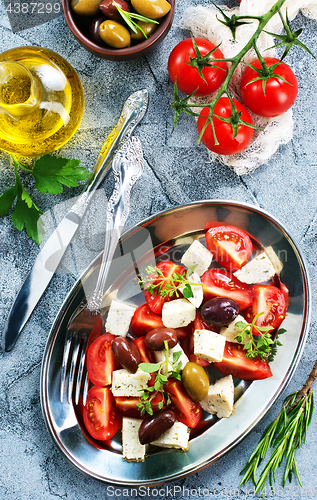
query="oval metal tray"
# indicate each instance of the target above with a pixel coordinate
(168, 234)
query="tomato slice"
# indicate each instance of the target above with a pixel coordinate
(230, 246)
(186, 409)
(221, 283)
(154, 300)
(128, 405)
(101, 361)
(145, 320)
(270, 300)
(236, 363)
(100, 417)
(146, 355)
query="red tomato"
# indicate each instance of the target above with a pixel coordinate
(279, 95)
(156, 301)
(145, 320)
(270, 300)
(236, 363)
(101, 361)
(230, 246)
(186, 409)
(187, 77)
(228, 145)
(100, 417)
(128, 405)
(221, 283)
(146, 355)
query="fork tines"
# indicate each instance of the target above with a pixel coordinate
(73, 372)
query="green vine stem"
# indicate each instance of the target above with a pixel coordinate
(184, 105)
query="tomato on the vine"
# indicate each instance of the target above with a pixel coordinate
(187, 77)
(271, 96)
(227, 144)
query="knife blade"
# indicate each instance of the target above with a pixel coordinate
(52, 252)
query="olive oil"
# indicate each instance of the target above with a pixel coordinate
(41, 101)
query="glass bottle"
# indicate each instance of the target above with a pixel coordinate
(41, 101)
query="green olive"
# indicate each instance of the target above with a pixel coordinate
(148, 29)
(114, 34)
(154, 9)
(195, 381)
(85, 7)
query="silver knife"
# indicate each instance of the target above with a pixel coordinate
(52, 252)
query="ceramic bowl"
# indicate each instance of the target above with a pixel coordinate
(78, 26)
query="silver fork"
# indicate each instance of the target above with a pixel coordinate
(127, 167)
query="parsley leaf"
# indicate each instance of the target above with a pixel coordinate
(51, 173)
(6, 200)
(26, 213)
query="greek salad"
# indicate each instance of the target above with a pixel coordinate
(221, 305)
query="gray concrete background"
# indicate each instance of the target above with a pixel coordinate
(177, 171)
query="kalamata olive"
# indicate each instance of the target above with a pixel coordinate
(154, 9)
(148, 29)
(93, 28)
(85, 7)
(126, 353)
(219, 311)
(110, 11)
(114, 34)
(153, 427)
(155, 338)
(195, 380)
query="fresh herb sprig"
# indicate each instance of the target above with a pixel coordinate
(129, 16)
(161, 370)
(50, 173)
(291, 38)
(257, 340)
(285, 434)
(168, 286)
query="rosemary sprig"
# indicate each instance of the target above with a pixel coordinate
(168, 286)
(285, 434)
(129, 16)
(257, 340)
(233, 22)
(161, 370)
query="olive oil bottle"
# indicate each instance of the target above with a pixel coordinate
(41, 101)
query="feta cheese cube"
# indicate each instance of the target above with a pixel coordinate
(178, 313)
(119, 318)
(257, 270)
(160, 356)
(220, 398)
(132, 449)
(197, 290)
(125, 383)
(232, 330)
(176, 437)
(209, 345)
(197, 255)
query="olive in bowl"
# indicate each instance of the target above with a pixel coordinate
(91, 33)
